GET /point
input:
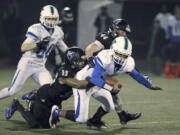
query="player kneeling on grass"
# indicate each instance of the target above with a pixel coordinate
(45, 103)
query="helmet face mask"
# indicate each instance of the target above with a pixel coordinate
(49, 16)
(75, 58)
(121, 49)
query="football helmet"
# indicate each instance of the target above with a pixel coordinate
(119, 24)
(121, 49)
(67, 14)
(49, 16)
(75, 57)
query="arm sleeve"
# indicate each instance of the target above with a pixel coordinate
(140, 78)
(62, 45)
(96, 78)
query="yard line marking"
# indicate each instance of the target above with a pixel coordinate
(152, 122)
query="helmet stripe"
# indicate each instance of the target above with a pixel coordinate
(126, 43)
(52, 10)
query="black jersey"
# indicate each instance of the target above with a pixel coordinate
(55, 93)
(105, 39)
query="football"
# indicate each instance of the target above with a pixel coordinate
(112, 81)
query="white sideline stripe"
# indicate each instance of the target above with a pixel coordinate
(152, 122)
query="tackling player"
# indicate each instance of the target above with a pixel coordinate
(40, 40)
(119, 27)
(43, 110)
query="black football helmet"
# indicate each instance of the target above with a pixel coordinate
(119, 24)
(75, 56)
(67, 14)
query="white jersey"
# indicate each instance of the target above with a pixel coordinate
(105, 59)
(163, 18)
(35, 34)
(174, 23)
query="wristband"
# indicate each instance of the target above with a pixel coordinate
(108, 87)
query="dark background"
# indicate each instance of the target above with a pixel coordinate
(139, 13)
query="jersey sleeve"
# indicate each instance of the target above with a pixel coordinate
(60, 43)
(102, 59)
(33, 32)
(130, 65)
(104, 40)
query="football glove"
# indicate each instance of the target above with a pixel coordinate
(44, 43)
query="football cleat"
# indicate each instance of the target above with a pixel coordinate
(125, 116)
(54, 117)
(30, 95)
(96, 123)
(11, 109)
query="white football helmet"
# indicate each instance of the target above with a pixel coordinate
(121, 49)
(49, 16)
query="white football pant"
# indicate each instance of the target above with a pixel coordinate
(26, 68)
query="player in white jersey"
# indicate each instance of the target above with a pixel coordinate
(116, 60)
(40, 40)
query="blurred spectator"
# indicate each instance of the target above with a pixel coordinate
(103, 20)
(68, 26)
(12, 28)
(156, 41)
(174, 36)
(163, 17)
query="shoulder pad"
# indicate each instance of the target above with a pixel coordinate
(59, 30)
(104, 39)
(130, 64)
(33, 31)
(104, 58)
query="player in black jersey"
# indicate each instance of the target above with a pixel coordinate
(119, 27)
(44, 104)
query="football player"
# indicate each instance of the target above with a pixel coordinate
(109, 62)
(40, 40)
(119, 27)
(43, 110)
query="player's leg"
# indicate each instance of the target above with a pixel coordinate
(105, 99)
(41, 113)
(18, 81)
(26, 114)
(81, 104)
(123, 115)
(42, 76)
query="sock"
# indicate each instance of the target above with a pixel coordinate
(56, 112)
(4, 93)
(70, 115)
(100, 113)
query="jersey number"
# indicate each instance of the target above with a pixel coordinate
(45, 53)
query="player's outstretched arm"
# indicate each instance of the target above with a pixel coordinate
(144, 80)
(79, 84)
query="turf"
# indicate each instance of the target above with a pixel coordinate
(160, 109)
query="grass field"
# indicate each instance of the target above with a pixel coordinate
(160, 109)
